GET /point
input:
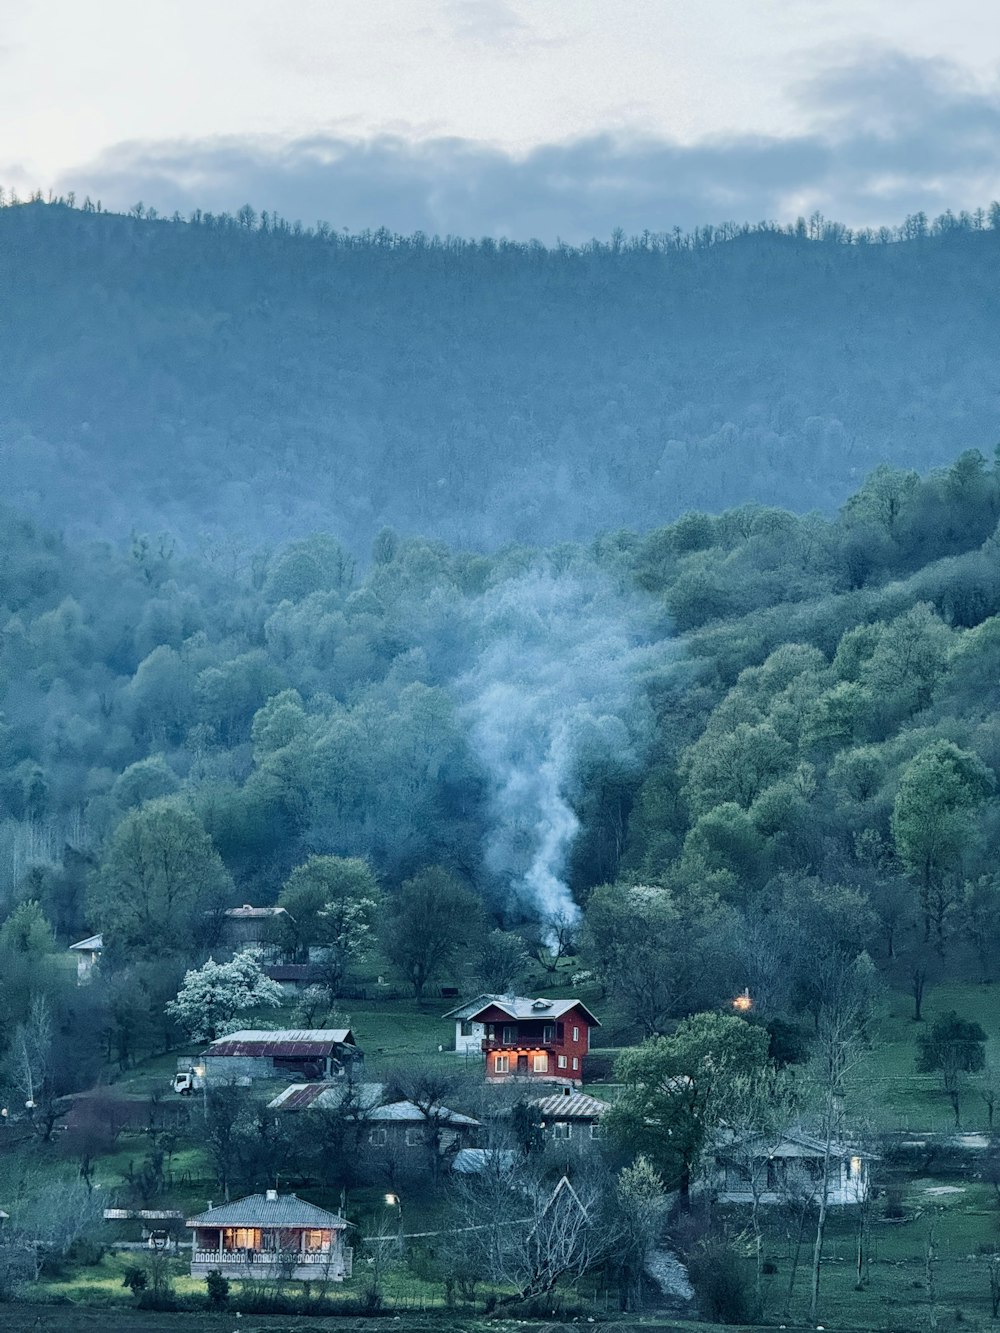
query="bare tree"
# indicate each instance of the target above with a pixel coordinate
(847, 989)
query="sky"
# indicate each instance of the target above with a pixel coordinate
(548, 118)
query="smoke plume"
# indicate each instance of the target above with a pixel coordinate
(555, 690)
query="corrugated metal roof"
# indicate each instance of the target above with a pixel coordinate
(286, 1043)
(327, 1096)
(523, 1006)
(578, 1106)
(470, 1161)
(470, 1007)
(257, 1210)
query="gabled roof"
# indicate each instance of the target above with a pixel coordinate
(328, 1096)
(268, 1210)
(578, 1106)
(409, 1113)
(92, 944)
(794, 1144)
(521, 1007)
(285, 1043)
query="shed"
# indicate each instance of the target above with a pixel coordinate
(315, 1053)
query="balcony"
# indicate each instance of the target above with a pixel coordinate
(334, 1264)
(524, 1041)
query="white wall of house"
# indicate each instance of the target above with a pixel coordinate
(469, 1037)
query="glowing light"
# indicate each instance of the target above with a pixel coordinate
(743, 1003)
(391, 1199)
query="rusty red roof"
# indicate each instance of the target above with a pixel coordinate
(283, 1043)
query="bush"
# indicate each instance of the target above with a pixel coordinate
(722, 1278)
(218, 1289)
(135, 1279)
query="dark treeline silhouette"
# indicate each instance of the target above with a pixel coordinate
(240, 373)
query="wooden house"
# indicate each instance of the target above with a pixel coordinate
(269, 1236)
(570, 1120)
(534, 1039)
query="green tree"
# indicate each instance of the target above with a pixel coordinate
(954, 1046)
(678, 1089)
(430, 919)
(27, 931)
(332, 902)
(933, 821)
(158, 882)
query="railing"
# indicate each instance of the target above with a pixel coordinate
(522, 1043)
(291, 1258)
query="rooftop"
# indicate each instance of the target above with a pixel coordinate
(328, 1096)
(520, 1006)
(282, 1042)
(412, 1114)
(268, 1210)
(577, 1106)
(93, 943)
(248, 913)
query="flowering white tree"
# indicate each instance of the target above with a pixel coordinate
(212, 997)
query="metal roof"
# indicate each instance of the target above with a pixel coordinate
(412, 1114)
(328, 1096)
(470, 1161)
(285, 1043)
(523, 1006)
(268, 1210)
(93, 943)
(470, 1007)
(248, 913)
(577, 1106)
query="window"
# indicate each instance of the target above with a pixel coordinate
(466, 1028)
(548, 1032)
(596, 1132)
(576, 1062)
(414, 1137)
(377, 1138)
(562, 1131)
(509, 1035)
(502, 1064)
(562, 1062)
(576, 1034)
(541, 1064)
(559, 1032)
(316, 1241)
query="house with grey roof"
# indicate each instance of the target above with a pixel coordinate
(533, 1039)
(268, 1236)
(570, 1119)
(88, 955)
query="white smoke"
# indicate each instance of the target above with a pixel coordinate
(556, 684)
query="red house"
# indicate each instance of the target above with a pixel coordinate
(534, 1039)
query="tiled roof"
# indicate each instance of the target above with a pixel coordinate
(260, 1210)
(286, 1043)
(521, 1006)
(327, 1096)
(578, 1106)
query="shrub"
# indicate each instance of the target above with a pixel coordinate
(722, 1278)
(218, 1288)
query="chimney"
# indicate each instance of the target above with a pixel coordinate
(271, 1196)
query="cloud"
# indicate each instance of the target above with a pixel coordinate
(875, 138)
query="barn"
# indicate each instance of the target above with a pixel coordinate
(312, 1053)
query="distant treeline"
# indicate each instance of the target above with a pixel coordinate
(233, 376)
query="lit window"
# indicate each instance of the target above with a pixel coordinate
(502, 1064)
(562, 1062)
(576, 1034)
(576, 1062)
(541, 1063)
(414, 1137)
(377, 1138)
(562, 1130)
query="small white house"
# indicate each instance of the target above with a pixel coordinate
(469, 1035)
(791, 1166)
(88, 955)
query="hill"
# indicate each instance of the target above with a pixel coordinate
(233, 376)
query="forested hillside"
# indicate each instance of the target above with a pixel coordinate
(238, 376)
(734, 709)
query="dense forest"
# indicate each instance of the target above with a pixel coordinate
(224, 376)
(730, 741)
